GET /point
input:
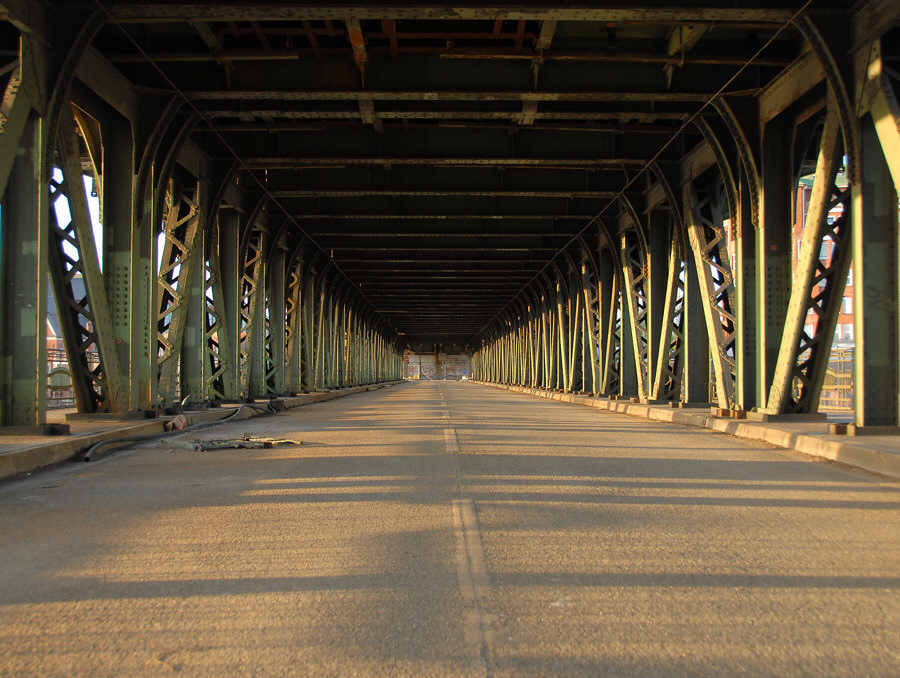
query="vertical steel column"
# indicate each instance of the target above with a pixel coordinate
(610, 321)
(23, 270)
(746, 273)
(319, 349)
(294, 328)
(636, 303)
(875, 287)
(628, 376)
(194, 371)
(562, 323)
(307, 348)
(218, 335)
(229, 306)
(547, 358)
(774, 248)
(576, 327)
(252, 291)
(256, 323)
(592, 319)
(741, 118)
(664, 268)
(696, 339)
(277, 319)
(122, 249)
(667, 379)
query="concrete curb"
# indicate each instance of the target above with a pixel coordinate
(852, 454)
(41, 455)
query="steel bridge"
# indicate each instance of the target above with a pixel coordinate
(238, 200)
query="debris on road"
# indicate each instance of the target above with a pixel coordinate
(244, 442)
(177, 423)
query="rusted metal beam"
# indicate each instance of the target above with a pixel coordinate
(357, 42)
(389, 26)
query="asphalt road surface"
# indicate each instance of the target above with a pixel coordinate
(451, 529)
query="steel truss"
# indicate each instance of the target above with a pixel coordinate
(183, 230)
(84, 315)
(818, 284)
(706, 229)
(610, 313)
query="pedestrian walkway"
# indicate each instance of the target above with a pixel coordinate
(449, 529)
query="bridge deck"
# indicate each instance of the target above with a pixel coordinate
(445, 528)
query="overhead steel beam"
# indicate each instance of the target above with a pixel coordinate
(95, 71)
(795, 81)
(160, 12)
(357, 42)
(548, 28)
(315, 193)
(445, 95)
(873, 18)
(31, 17)
(461, 217)
(284, 163)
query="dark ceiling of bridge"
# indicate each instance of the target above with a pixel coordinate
(442, 157)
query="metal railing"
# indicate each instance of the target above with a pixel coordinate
(59, 380)
(837, 391)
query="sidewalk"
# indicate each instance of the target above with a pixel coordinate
(876, 453)
(26, 453)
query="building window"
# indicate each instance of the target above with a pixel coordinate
(809, 330)
(848, 332)
(847, 305)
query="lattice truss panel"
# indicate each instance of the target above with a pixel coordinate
(819, 282)
(592, 326)
(670, 368)
(609, 298)
(636, 278)
(220, 378)
(77, 280)
(251, 284)
(562, 320)
(182, 231)
(575, 314)
(293, 330)
(708, 240)
(274, 365)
